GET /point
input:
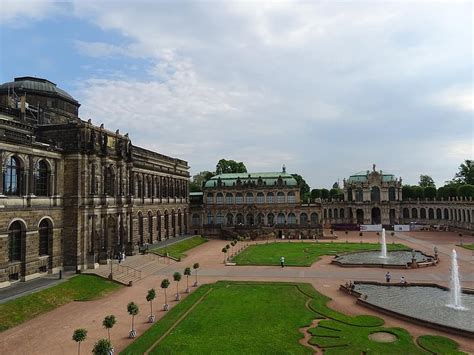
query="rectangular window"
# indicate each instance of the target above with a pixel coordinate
(239, 199)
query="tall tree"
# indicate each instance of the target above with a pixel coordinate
(230, 166)
(465, 175)
(79, 336)
(315, 193)
(199, 179)
(324, 194)
(108, 323)
(304, 187)
(426, 181)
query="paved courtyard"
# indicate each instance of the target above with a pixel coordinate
(51, 333)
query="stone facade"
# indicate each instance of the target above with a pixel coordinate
(74, 194)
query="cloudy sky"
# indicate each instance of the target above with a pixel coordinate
(327, 88)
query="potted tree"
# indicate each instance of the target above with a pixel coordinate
(164, 285)
(224, 250)
(196, 267)
(177, 278)
(103, 347)
(132, 309)
(361, 234)
(108, 323)
(187, 273)
(79, 336)
(150, 296)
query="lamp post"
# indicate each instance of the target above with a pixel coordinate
(111, 276)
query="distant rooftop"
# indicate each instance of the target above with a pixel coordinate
(268, 178)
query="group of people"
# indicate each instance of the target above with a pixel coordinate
(388, 278)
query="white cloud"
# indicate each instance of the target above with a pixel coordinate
(18, 13)
(457, 98)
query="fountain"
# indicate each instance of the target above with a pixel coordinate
(455, 285)
(384, 245)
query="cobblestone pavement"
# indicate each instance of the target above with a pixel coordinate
(51, 333)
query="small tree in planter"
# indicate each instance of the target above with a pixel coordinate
(177, 278)
(393, 237)
(346, 236)
(108, 323)
(187, 273)
(224, 250)
(79, 336)
(132, 309)
(196, 267)
(361, 234)
(103, 347)
(150, 296)
(164, 285)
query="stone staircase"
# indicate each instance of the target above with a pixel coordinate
(132, 269)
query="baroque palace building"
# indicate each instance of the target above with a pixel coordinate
(270, 203)
(74, 194)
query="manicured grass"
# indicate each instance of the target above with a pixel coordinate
(177, 250)
(78, 288)
(265, 318)
(439, 345)
(467, 246)
(301, 254)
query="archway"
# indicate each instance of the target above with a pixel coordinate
(376, 217)
(360, 216)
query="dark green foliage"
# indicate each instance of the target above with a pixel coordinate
(108, 323)
(430, 192)
(230, 166)
(324, 194)
(79, 335)
(426, 181)
(198, 180)
(466, 190)
(315, 193)
(102, 347)
(465, 175)
(304, 187)
(418, 192)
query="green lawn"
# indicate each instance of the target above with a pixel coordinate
(177, 250)
(467, 246)
(301, 254)
(265, 318)
(78, 288)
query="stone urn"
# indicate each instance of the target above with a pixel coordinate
(178, 297)
(151, 318)
(187, 290)
(132, 334)
(165, 307)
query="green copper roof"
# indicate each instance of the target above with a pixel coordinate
(29, 83)
(362, 176)
(267, 179)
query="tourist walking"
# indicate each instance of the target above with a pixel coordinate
(282, 261)
(388, 277)
(403, 281)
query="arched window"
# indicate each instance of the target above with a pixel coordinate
(219, 198)
(349, 194)
(45, 234)
(330, 213)
(139, 187)
(150, 227)
(406, 213)
(196, 219)
(239, 218)
(260, 197)
(271, 219)
(260, 219)
(446, 213)
(12, 177)
(219, 218)
(270, 197)
(109, 181)
(325, 214)
(468, 215)
(464, 215)
(210, 219)
(341, 213)
(291, 197)
(210, 198)
(430, 213)
(303, 219)
(239, 198)
(280, 218)
(375, 194)
(41, 179)
(249, 197)
(391, 193)
(359, 195)
(280, 197)
(414, 213)
(15, 233)
(140, 227)
(336, 215)
(229, 219)
(439, 214)
(314, 218)
(249, 220)
(423, 213)
(149, 187)
(229, 198)
(291, 218)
